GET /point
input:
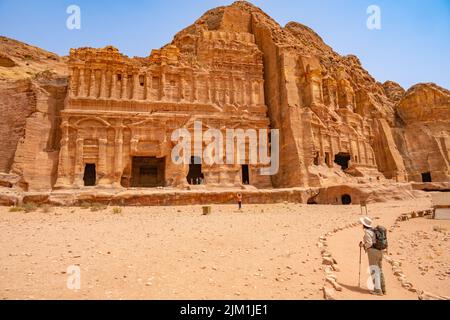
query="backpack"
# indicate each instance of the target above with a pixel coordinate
(381, 242)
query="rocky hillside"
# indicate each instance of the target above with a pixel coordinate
(295, 52)
(297, 65)
(20, 61)
(33, 85)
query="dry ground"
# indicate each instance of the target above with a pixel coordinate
(263, 252)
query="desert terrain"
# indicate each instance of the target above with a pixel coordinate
(261, 252)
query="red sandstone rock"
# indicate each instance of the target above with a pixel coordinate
(234, 67)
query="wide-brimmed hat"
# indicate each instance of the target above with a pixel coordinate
(366, 221)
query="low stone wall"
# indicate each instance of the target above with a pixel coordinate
(169, 198)
(397, 264)
(173, 197)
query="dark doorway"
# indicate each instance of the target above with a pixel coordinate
(195, 175)
(316, 159)
(90, 175)
(312, 200)
(342, 159)
(426, 177)
(148, 172)
(245, 174)
(346, 199)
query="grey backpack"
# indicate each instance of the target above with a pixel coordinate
(381, 242)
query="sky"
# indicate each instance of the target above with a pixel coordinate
(412, 46)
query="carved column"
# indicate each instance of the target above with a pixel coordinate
(162, 93)
(366, 154)
(262, 98)
(208, 90)
(322, 149)
(73, 82)
(113, 93)
(148, 86)
(124, 91)
(103, 85)
(245, 93)
(102, 154)
(92, 85)
(252, 97)
(82, 83)
(135, 89)
(79, 168)
(359, 151)
(64, 158)
(332, 152)
(213, 90)
(118, 165)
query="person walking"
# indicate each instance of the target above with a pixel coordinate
(374, 243)
(239, 200)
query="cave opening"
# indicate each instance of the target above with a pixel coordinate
(342, 159)
(346, 199)
(426, 177)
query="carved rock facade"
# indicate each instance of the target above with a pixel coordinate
(234, 68)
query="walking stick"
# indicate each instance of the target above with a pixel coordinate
(359, 278)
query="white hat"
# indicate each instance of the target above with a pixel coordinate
(366, 221)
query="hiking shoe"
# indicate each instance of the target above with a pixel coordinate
(376, 293)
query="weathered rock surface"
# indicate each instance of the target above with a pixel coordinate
(235, 67)
(31, 97)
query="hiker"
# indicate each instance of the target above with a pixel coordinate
(239, 199)
(374, 243)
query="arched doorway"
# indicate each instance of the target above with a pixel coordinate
(346, 199)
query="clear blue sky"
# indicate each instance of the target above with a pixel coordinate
(412, 46)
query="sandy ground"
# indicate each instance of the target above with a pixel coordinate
(263, 252)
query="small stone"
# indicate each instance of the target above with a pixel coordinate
(328, 261)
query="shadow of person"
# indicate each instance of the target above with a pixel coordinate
(355, 289)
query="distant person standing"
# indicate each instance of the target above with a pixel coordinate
(239, 199)
(374, 243)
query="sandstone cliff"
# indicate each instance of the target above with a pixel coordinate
(305, 79)
(326, 106)
(32, 92)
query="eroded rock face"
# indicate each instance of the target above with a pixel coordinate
(31, 98)
(235, 67)
(423, 137)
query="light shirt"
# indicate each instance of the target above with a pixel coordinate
(369, 239)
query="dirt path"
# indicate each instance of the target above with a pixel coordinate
(346, 251)
(344, 247)
(262, 252)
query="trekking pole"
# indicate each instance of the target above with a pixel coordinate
(359, 278)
